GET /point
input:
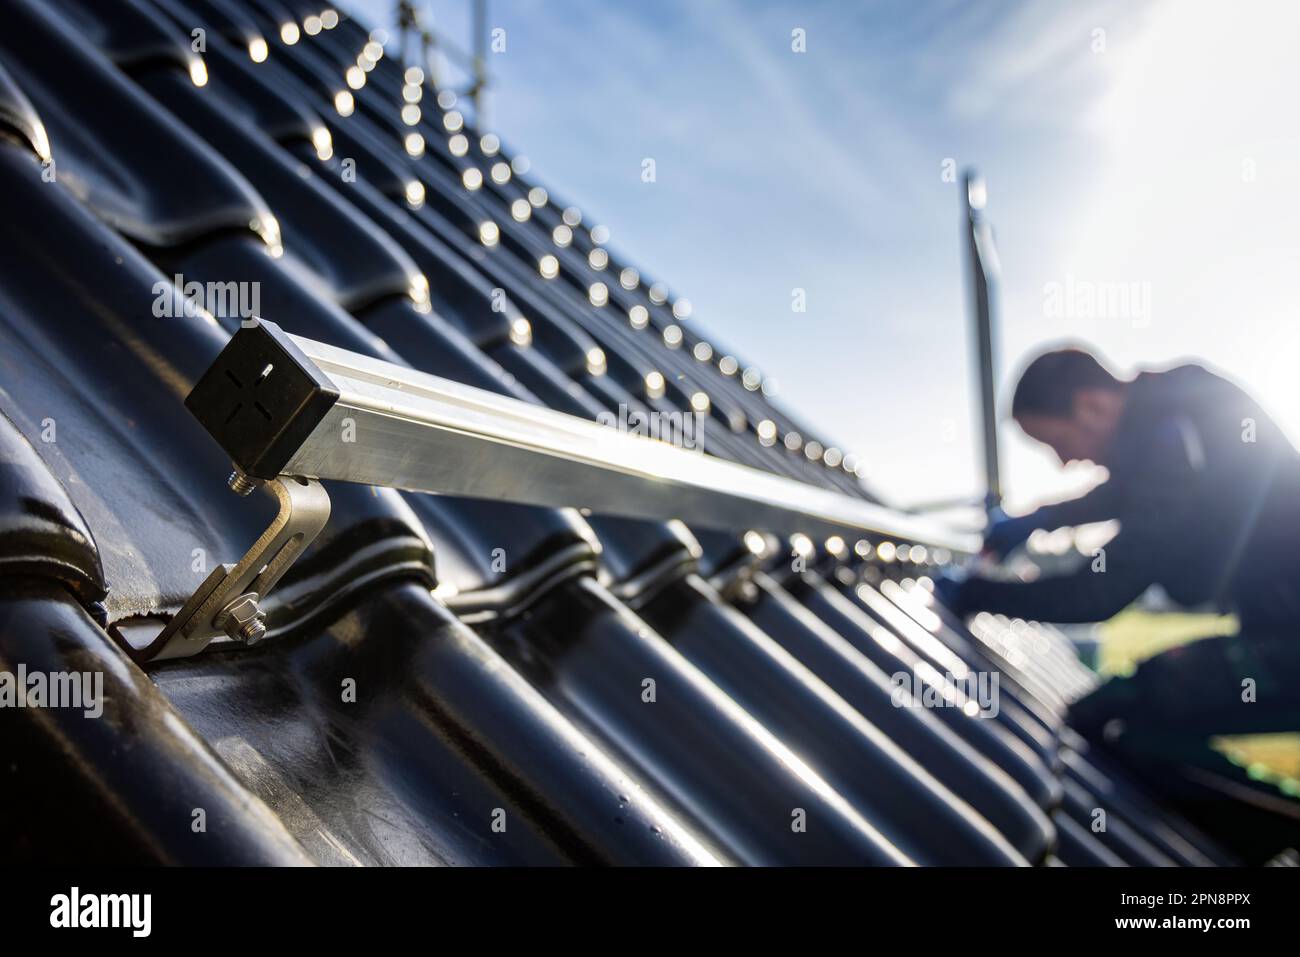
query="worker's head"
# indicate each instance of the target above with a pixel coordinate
(1070, 402)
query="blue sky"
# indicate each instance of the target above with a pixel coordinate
(1152, 147)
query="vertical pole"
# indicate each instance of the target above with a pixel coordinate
(480, 61)
(984, 269)
(405, 25)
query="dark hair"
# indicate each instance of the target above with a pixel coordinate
(1049, 383)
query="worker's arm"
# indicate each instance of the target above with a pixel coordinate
(1157, 515)
(1096, 505)
(1089, 594)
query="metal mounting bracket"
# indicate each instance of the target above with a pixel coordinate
(227, 601)
(343, 416)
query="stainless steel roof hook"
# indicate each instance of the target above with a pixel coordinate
(228, 600)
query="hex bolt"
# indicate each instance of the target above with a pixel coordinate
(242, 620)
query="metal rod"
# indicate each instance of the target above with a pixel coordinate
(984, 270)
(281, 404)
(479, 42)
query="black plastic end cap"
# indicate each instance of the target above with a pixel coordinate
(261, 398)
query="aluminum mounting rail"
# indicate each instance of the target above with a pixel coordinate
(280, 404)
(292, 412)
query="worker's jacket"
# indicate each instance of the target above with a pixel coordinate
(1206, 489)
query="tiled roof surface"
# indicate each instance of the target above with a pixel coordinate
(447, 680)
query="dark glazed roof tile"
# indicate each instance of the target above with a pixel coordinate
(106, 135)
(356, 264)
(18, 118)
(41, 532)
(131, 34)
(121, 787)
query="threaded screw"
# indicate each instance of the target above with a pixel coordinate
(252, 632)
(242, 484)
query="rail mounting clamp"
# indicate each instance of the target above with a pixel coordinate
(227, 603)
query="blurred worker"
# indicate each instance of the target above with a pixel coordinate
(1206, 490)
